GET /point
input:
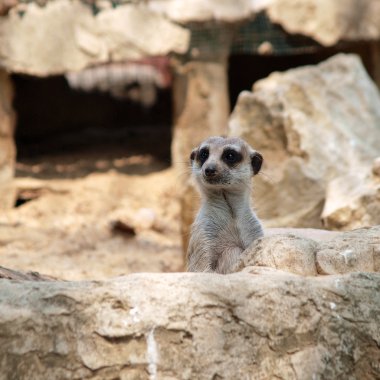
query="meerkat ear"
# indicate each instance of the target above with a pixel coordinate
(193, 154)
(256, 162)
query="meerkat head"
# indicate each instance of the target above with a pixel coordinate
(224, 163)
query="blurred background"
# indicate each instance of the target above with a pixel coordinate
(101, 103)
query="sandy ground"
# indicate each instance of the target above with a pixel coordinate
(96, 226)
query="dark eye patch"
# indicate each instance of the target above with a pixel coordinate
(203, 155)
(231, 157)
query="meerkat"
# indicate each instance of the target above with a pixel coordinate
(226, 223)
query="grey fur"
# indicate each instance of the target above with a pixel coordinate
(226, 224)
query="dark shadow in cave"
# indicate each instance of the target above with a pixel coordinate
(64, 133)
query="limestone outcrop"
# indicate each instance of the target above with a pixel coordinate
(354, 251)
(263, 321)
(353, 200)
(192, 326)
(327, 22)
(311, 124)
(70, 37)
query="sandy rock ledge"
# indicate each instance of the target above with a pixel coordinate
(192, 326)
(306, 253)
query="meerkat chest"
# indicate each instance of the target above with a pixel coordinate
(224, 230)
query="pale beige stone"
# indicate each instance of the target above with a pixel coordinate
(69, 37)
(326, 21)
(297, 119)
(376, 167)
(355, 251)
(285, 252)
(313, 252)
(353, 200)
(192, 326)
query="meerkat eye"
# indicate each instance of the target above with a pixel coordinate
(231, 157)
(203, 155)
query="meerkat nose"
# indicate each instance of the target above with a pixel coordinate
(210, 170)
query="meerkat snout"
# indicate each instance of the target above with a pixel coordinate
(226, 224)
(210, 170)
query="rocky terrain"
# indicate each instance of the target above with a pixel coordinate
(312, 125)
(266, 323)
(97, 227)
(304, 304)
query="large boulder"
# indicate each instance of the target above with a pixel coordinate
(328, 22)
(311, 124)
(70, 37)
(192, 326)
(298, 252)
(262, 321)
(353, 200)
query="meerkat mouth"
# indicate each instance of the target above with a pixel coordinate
(216, 181)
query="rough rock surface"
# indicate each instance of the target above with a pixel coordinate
(353, 200)
(132, 30)
(7, 144)
(328, 21)
(311, 124)
(354, 251)
(70, 37)
(135, 29)
(77, 229)
(192, 326)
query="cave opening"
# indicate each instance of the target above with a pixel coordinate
(63, 132)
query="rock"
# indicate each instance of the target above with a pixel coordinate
(286, 252)
(353, 200)
(376, 167)
(7, 144)
(192, 326)
(328, 22)
(358, 258)
(132, 31)
(133, 221)
(308, 233)
(290, 119)
(63, 230)
(203, 11)
(354, 251)
(70, 37)
(22, 276)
